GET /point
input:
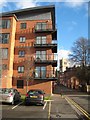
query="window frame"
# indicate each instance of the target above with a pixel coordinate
(20, 85)
(2, 53)
(20, 53)
(22, 39)
(5, 24)
(23, 25)
(3, 38)
(41, 26)
(40, 72)
(41, 39)
(21, 69)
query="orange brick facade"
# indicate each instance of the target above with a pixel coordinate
(28, 61)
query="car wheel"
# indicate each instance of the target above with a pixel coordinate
(42, 104)
(26, 103)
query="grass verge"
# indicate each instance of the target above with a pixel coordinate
(22, 98)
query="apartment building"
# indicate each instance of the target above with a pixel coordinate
(64, 63)
(28, 42)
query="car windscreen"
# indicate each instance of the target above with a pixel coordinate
(1, 90)
(34, 92)
(6, 90)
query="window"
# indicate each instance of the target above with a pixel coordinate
(4, 38)
(3, 53)
(4, 67)
(41, 26)
(22, 39)
(41, 40)
(20, 69)
(21, 53)
(5, 24)
(23, 25)
(20, 83)
(40, 72)
(41, 55)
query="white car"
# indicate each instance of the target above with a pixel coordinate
(9, 95)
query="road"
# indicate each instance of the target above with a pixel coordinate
(61, 106)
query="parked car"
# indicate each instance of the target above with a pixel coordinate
(9, 95)
(34, 96)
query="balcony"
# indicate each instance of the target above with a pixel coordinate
(46, 59)
(45, 75)
(43, 27)
(46, 44)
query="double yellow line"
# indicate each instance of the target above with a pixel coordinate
(86, 114)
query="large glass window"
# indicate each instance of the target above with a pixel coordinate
(43, 72)
(4, 38)
(5, 24)
(22, 39)
(41, 40)
(20, 69)
(23, 25)
(41, 55)
(20, 83)
(3, 53)
(41, 26)
(40, 72)
(37, 72)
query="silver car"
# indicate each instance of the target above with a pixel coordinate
(9, 95)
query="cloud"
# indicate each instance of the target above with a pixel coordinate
(22, 4)
(74, 23)
(63, 53)
(75, 3)
(71, 25)
(3, 3)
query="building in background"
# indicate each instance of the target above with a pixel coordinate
(64, 63)
(28, 45)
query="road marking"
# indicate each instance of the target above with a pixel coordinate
(48, 100)
(44, 105)
(79, 108)
(49, 110)
(79, 95)
(16, 105)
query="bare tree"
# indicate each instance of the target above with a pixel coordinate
(80, 51)
(29, 67)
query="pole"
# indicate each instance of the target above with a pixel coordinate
(27, 86)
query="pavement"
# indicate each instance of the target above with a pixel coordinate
(68, 110)
(61, 109)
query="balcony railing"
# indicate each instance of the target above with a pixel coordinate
(44, 43)
(45, 57)
(45, 74)
(37, 75)
(43, 27)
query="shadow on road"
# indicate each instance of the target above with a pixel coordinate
(63, 90)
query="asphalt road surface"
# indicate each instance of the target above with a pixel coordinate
(62, 106)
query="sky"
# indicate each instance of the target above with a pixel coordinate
(71, 19)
